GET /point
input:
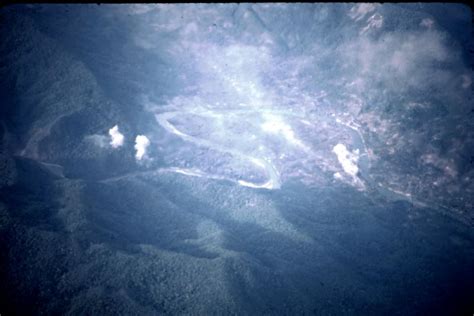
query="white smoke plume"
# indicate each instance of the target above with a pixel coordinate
(116, 137)
(141, 144)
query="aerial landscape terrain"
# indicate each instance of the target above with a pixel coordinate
(236, 159)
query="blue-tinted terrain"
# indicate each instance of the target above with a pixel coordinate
(236, 159)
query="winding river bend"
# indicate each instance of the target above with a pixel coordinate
(272, 175)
